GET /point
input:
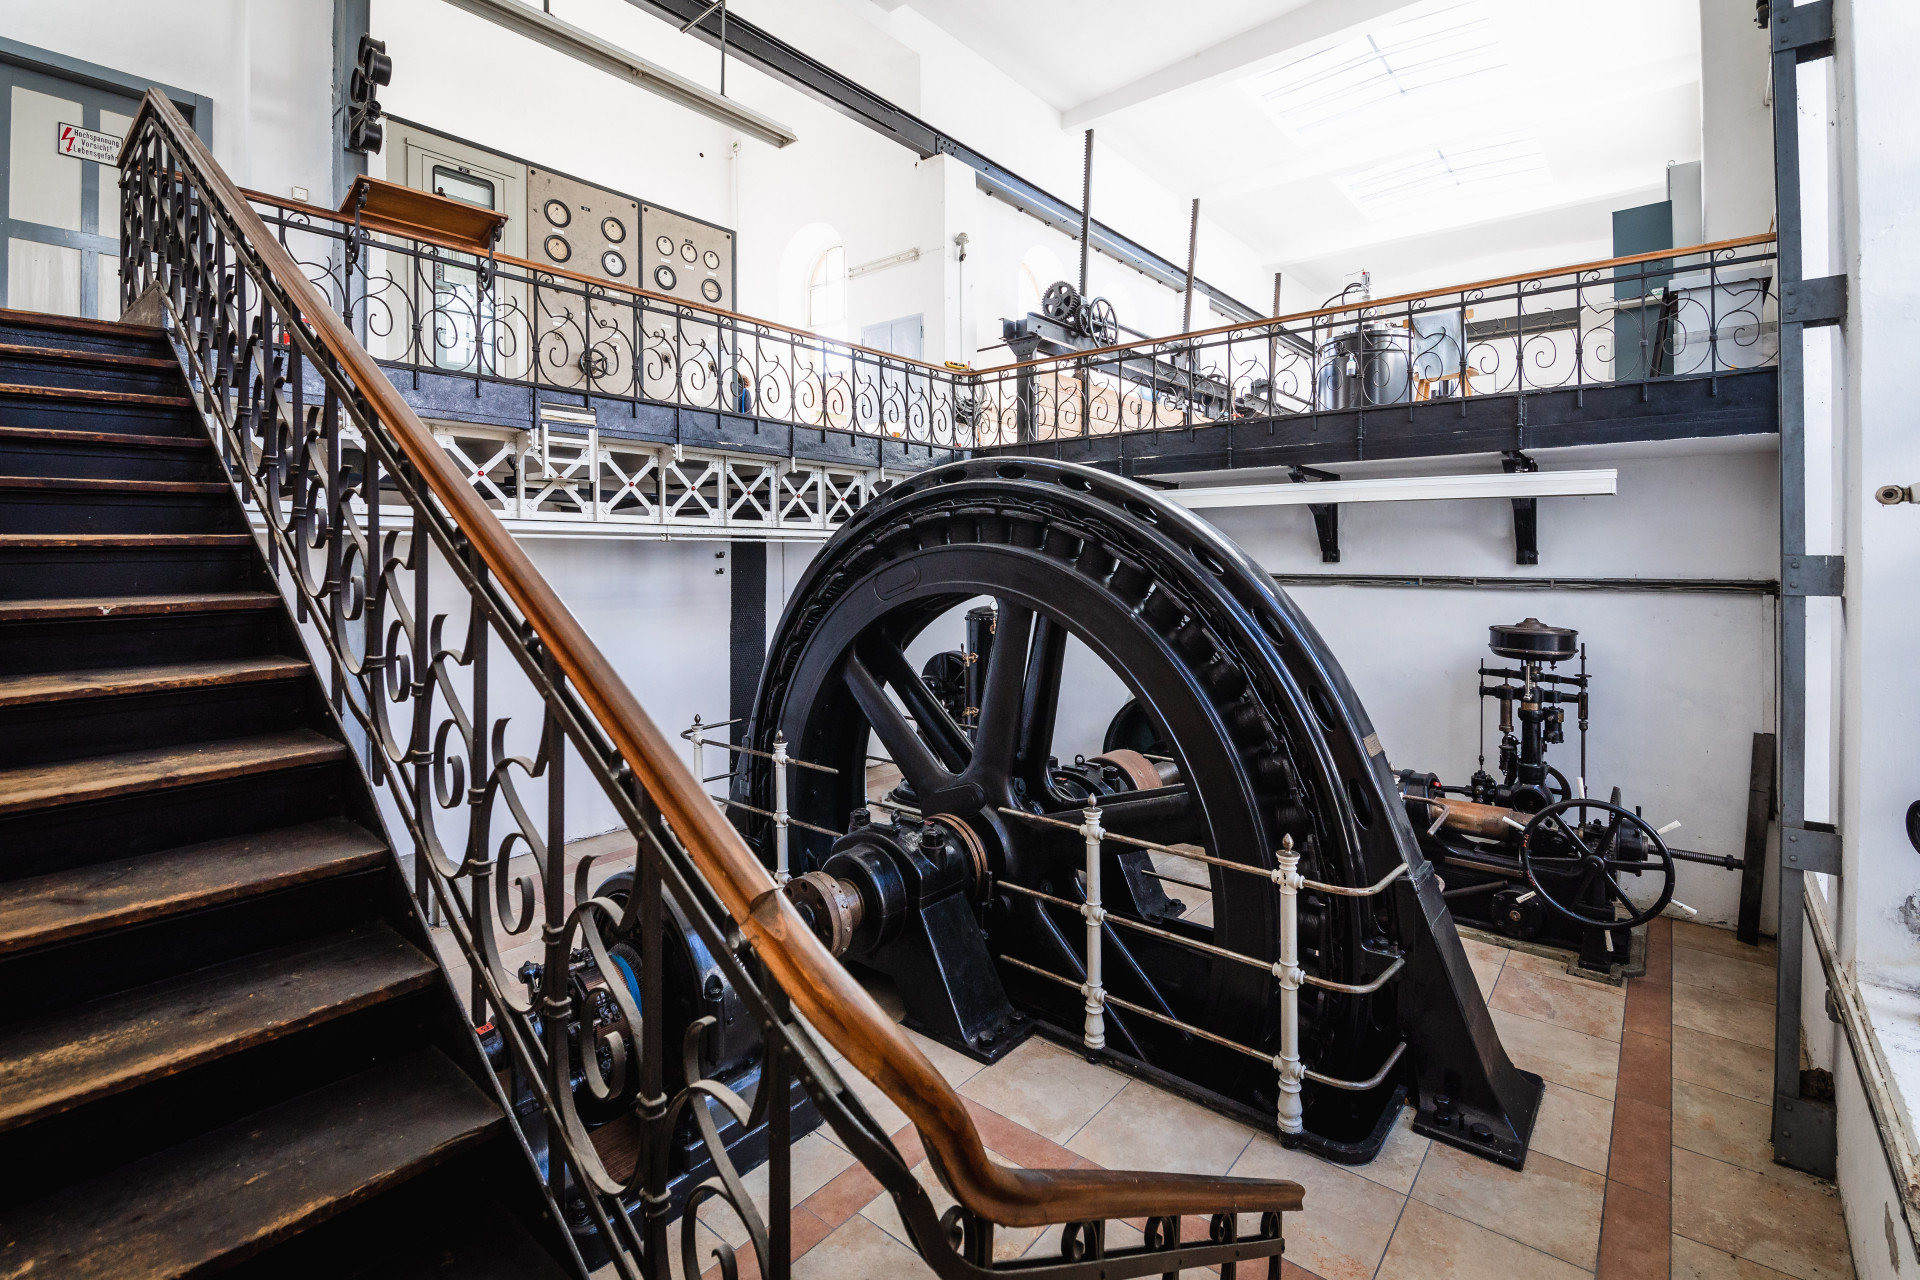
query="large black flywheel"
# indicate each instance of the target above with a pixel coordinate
(1264, 740)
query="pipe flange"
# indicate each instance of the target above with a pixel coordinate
(833, 905)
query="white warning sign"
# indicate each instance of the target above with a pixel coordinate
(86, 144)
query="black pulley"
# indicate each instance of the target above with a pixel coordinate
(1532, 641)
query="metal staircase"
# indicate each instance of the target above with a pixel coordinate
(225, 1040)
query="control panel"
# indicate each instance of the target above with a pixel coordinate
(582, 228)
(686, 258)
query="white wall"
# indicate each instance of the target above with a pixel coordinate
(1681, 682)
(267, 65)
(1736, 127)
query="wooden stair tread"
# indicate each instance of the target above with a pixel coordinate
(125, 540)
(118, 1042)
(161, 768)
(107, 895)
(64, 435)
(135, 399)
(84, 484)
(112, 682)
(55, 608)
(78, 355)
(230, 1194)
(78, 324)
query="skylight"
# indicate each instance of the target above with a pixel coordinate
(1436, 58)
(1433, 176)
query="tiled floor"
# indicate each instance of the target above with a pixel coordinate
(1650, 1156)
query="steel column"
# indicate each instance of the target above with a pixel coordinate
(1803, 1130)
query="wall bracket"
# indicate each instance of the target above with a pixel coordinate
(1326, 515)
(1526, 511)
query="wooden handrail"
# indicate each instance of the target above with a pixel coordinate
(819, 987)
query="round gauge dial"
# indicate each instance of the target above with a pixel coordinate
(712, 260)
(557, 248)
(665, 245)
(557, 212)
(612, 263)
(688, 252)
(613, 229)
(664, 277)
(710, 289)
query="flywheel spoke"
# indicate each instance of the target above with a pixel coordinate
(1040, 701)
(917, 763)
(890, 665)
(1002, 694)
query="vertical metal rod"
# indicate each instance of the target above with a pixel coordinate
(699, 749)
(723, 48)
(1086, 212)
(1273, 336)
(1093, 833)
(781, 869)
(1289, 1108)
(1193, 242)
(779, 1147)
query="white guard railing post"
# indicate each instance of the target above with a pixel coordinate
(699, 746)
(780, 874)
(1096, 1029)
(1287, 878)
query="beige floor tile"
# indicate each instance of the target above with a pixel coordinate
(1575, 1127)
(706, 1244)
(1551, 1205)
(1537, 988)
(1008, 1242)
(1347, 1220)
(1399, 1160)
(1748, 980)
(1718, 1014)
(1145, 1128)
(957, 1067)
(1560, 1054)
(885, 1114)
(1743, 1070)
(1792, 1225)
(1725, 1127)
(1695, 1261)
(1722, 942)
(1045, 1088)
(814, 1163)
(858, 1250)
(1432, 1245)
(1487, 961)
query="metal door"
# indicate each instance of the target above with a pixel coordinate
(60, 219)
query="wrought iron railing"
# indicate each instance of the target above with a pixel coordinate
(1701, 311)
(428, 307)
(487, 714)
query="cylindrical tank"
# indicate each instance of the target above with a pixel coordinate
(1364, 367)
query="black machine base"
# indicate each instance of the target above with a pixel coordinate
(1440, 1117)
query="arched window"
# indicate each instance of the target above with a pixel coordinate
(827, 292)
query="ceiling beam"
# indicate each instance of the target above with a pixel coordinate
(1312, 21)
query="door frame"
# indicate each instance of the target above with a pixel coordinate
(198, 108)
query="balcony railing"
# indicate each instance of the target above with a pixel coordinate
(429, 307)
(1681, 313)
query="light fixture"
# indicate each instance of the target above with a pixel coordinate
(584, 46)
(1602, 481)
